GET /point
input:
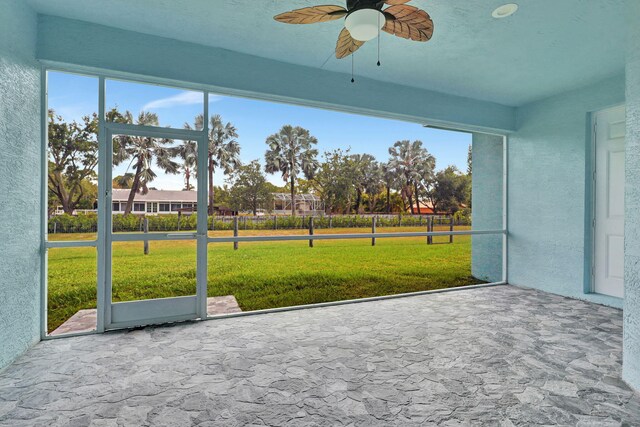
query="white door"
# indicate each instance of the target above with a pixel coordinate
(609, 202)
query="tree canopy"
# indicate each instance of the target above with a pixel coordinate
(345, 182)
(249, 188)
(73, 157)
(291, 152)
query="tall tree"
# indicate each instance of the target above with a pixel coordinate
(389, 177)
(373, 183)
(334, 182)
(365, 170)
(188, 153)
(414, 167)
(123, 181)
(73, 157)
(448, 190)
(291, 153)
(224, 149)
(142, 152)
(249, 189)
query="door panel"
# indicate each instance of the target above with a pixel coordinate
(609, 203)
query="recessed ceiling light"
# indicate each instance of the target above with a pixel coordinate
(505, 10)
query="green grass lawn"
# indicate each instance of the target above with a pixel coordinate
(261, 275)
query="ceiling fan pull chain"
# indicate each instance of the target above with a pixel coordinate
(378, 40)
(352, 79)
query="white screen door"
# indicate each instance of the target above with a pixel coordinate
(185, 296)
(609, 202)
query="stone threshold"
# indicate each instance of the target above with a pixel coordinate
(85, 320)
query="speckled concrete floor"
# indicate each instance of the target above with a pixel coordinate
(492, 356)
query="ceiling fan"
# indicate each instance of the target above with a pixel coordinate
(363, 21)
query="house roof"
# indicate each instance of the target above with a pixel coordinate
(121, 195)
(298, 197)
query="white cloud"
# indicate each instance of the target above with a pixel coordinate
(183, 98)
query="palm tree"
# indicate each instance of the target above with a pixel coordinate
(224, 149)
(188, 152)
(389, 177)
(413, 164)
(142, 151)
(123, 181)
(291, 152)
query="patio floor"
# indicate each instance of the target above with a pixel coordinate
(499, 355)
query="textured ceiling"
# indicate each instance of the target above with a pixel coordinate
(547, 47)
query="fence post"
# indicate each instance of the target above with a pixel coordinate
(145, 226)
(330, 221)
(235, 232)
(399, 220)
(275, 222)
(451, 229)
(310, 231)
(429, 229)
(373, 230)
(55, 227)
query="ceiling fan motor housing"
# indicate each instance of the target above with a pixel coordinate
(353, 5)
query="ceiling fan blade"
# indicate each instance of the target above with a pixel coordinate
(311, 15)
(408, 22)
(392, 2)
(346, 44)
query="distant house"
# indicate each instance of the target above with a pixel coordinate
(155, 202)
(427, 209)
(307, 204)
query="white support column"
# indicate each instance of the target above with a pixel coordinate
(505, 209)
(44, 191)
(489, 206)
(102, 190)
(202, 227)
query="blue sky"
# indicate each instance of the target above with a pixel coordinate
(73, 96)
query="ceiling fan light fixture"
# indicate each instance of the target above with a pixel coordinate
(364, 24)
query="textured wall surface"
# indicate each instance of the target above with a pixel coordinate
(19, 181)
(80, 43)
(547, 178)
(487, 206)
(631, 355)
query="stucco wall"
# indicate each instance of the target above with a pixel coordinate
(631, 356)
(487, 152)
(19, 182)
(547, 187)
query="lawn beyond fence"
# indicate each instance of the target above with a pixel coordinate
(262, 274)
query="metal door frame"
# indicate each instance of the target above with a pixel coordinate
(115, 315)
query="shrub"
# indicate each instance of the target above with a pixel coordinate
(88, 223)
